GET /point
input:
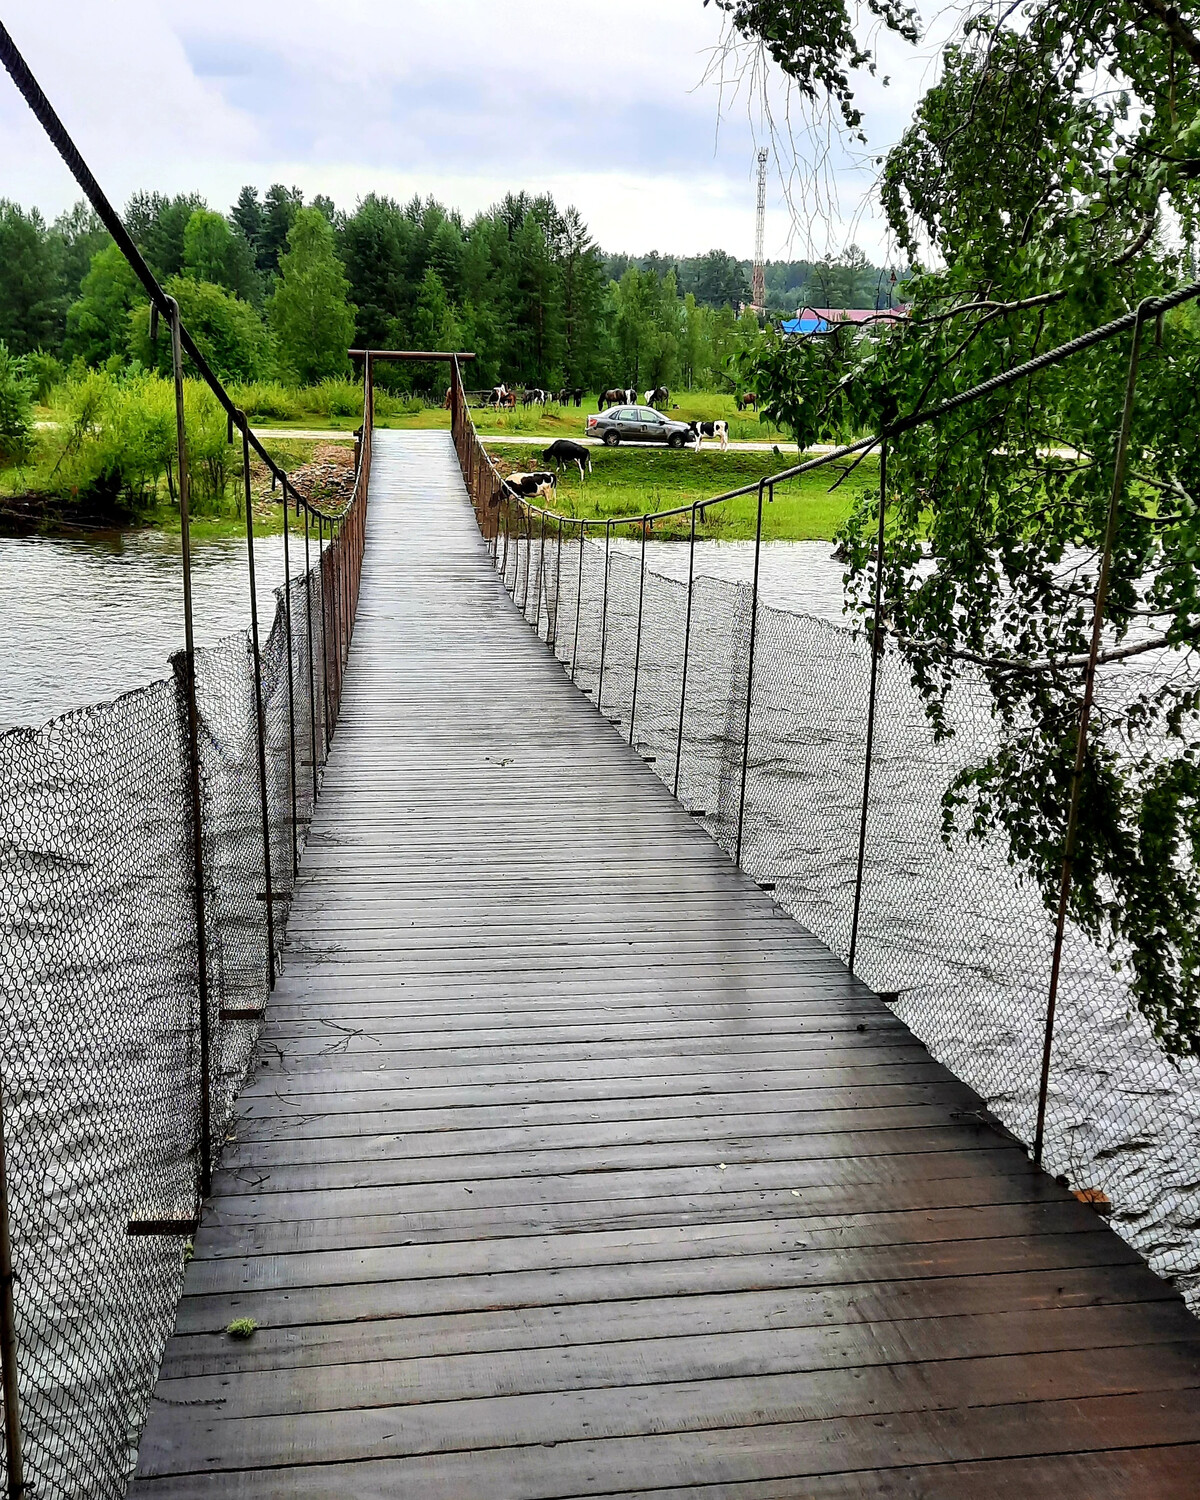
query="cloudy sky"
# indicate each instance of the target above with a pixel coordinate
(605, 106)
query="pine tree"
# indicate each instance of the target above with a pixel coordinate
(309, 310)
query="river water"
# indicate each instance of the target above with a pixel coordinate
(84, 621)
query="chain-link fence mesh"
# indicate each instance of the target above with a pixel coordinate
(100, 994)
(949, 934)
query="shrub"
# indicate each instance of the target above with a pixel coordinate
(266, 398)
(16, 407)
(45, 372)
(333, 398)
(115, 442)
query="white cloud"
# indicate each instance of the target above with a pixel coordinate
(463, 99)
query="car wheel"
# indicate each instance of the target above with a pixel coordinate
(675, 440)
(611, 438)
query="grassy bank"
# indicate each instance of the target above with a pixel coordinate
(631, 481)
(30, 501)
(534, 421)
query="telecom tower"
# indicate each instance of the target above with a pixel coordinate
(758, 296)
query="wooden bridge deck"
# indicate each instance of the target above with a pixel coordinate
(573, 1167)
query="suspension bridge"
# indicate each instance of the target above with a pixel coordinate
(573, 1166)
(404, 1092)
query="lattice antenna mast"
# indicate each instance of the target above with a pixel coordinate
(758, 295)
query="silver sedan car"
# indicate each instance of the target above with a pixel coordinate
(638, 424)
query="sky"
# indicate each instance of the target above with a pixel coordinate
(606, 107)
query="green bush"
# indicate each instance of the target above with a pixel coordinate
(266, 399)
(114, 444)
(16, 407)
(333, 398)
(45, 372)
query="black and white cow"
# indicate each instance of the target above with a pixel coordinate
(542, 483)
(719, 430)
(564, 451)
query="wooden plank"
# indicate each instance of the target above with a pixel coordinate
(571, 1166)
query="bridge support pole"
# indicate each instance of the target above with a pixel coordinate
(737, 853)
(637, 648)
(260, 718)
(312, 660)
(193, 733)
(1081, 739)
(14, 1462)
(578, 599)
(872, 695)
(291, 682)
(687, 641)
(604, 616)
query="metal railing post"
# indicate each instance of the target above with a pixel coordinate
(603, 616)
(872, 697)
(578, 599)
(260, 718)
(687, 641)
(193, 732)
(541, 585)
(312, 664)
(737, 852)
(1081, 740)
(637, 649)
(291, 681)
(552, 628)
(528, 530)
(14, 1460)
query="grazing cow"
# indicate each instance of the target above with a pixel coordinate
(718, 430)
(659, 396)
(564, 396)
(564, 451)
(526, 486)
(747, 399)
(577, 395)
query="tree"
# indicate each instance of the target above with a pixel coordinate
(1034, 179)
(716, 279)
(247, 215)
(158, 225)
(279, 214)
(213, 252)
(98, 322)
(228, 332)
(309, 310)
(28, 285)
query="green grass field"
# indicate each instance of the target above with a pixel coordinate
(551, 421)
(632, 481)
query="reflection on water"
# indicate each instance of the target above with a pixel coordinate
(82, 621)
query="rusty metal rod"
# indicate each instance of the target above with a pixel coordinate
(260, 718)
(687, 639)
(872, 698)
(737, 853)
(193, 733)
(1085, 711)
(9, 1351)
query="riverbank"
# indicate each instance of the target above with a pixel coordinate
(634, 481)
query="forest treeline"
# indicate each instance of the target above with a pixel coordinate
(278, 289)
